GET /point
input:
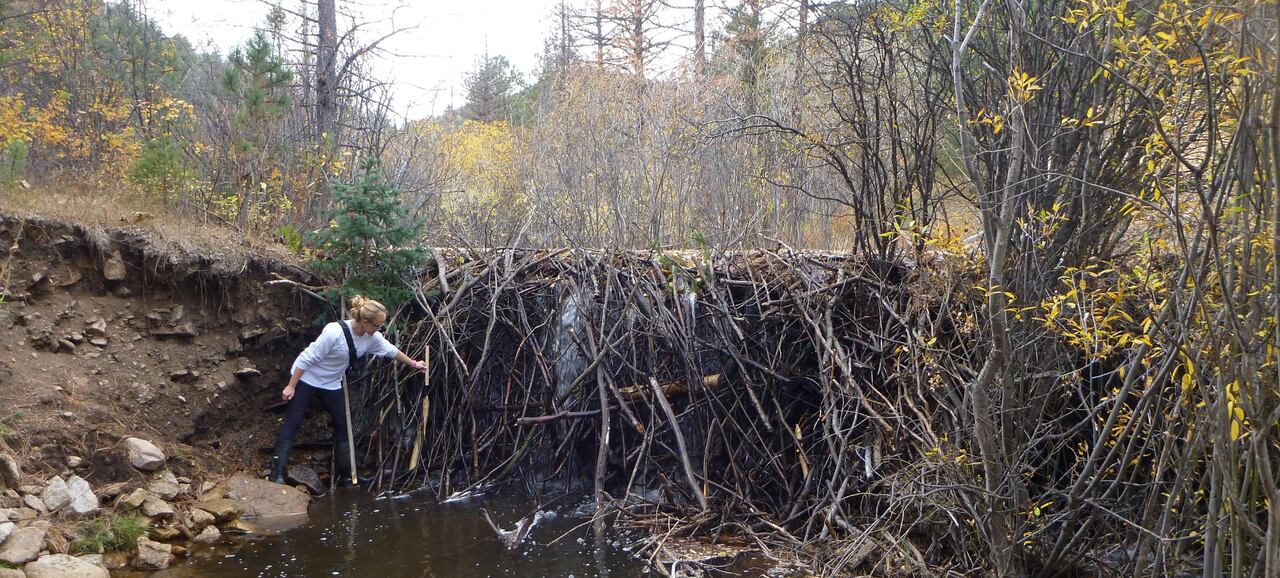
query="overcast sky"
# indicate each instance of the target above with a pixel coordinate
(428, 62)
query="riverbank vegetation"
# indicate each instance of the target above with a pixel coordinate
(906, 286)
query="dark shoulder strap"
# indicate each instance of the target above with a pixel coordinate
(351, 343)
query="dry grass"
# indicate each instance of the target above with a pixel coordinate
(120, 208)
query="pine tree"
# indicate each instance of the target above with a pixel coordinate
(489, 89)
(371, 244)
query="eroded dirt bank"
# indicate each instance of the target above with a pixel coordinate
(112, 333)
(113, 336)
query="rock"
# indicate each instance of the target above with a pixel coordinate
(307, 477)
(262, 498)
(63, 566)
(95, 559)
(184, 376)
(134, 500)
(96, 327)
(206, 486)
(99, 341)
(83, 502)
(74, 461)
(152, 555)
(143, 454)
(115, 560)
(27, 514)
(113, 268)
(247, 373)
(10, 474)
(29, 489)
(10, 498)
(34, 502)
(200, 519)
(237, 527)
(11, 573)
(222, 509)
(64, 344)
(8, 514)
(23, 545)
(182, 330)
(166, 533)
(208, 535)
(56, 494)
(180, 551)
(156, 508)
(6, 528)
(165, 486)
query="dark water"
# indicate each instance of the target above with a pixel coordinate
(353, 534)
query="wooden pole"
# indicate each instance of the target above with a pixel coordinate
(351, 444)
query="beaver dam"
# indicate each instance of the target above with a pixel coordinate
(802, 406)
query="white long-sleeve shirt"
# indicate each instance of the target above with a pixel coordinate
(326, 359)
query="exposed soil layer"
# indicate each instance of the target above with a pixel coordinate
(112, 333)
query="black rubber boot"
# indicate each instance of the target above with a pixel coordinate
(280, 461)
(342, 466)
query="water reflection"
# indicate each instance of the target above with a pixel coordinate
(353, 534)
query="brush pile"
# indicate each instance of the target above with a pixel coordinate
(783, 393)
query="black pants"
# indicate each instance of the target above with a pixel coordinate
(331, 399)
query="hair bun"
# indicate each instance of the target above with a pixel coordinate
(358, 301)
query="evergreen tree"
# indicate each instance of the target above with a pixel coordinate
(489, 89)
(371, 245)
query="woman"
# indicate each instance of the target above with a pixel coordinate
(318, 371)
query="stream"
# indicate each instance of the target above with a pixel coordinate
(355, 534)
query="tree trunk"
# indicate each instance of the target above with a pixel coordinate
(326, 70)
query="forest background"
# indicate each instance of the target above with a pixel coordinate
(1107, 171)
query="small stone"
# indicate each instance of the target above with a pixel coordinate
(164, 534)
(182, 330)
(307, 477)
(6, 528)
(246, 373)
(10, 474)
(23, 545)
(99, 341)
(74, 461)
(236, 527)
(10, 515)
(208, 535)
(95, 559)
(222, 509)
(83, 501)
(143, 454)
(165, 485)
(115, 560)
(113, 268)
(64, 344)
(63, 566)
(184, 376)
(11, 573)
(95, 327)
(134, 500)
(34, 502)
(152, 555)
(56, 494)
(200, 519)
(154, 507)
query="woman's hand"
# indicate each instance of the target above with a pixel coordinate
(287, 394)
(420, 365)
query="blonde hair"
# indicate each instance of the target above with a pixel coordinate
(366, 309)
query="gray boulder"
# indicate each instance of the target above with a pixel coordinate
(208, 535)
(143, 454)
(152, 555)
(157, 509)
(56, 494)
(6, 528)
(23, 545)
(83, 501)
(64, 566)
(262, 498)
